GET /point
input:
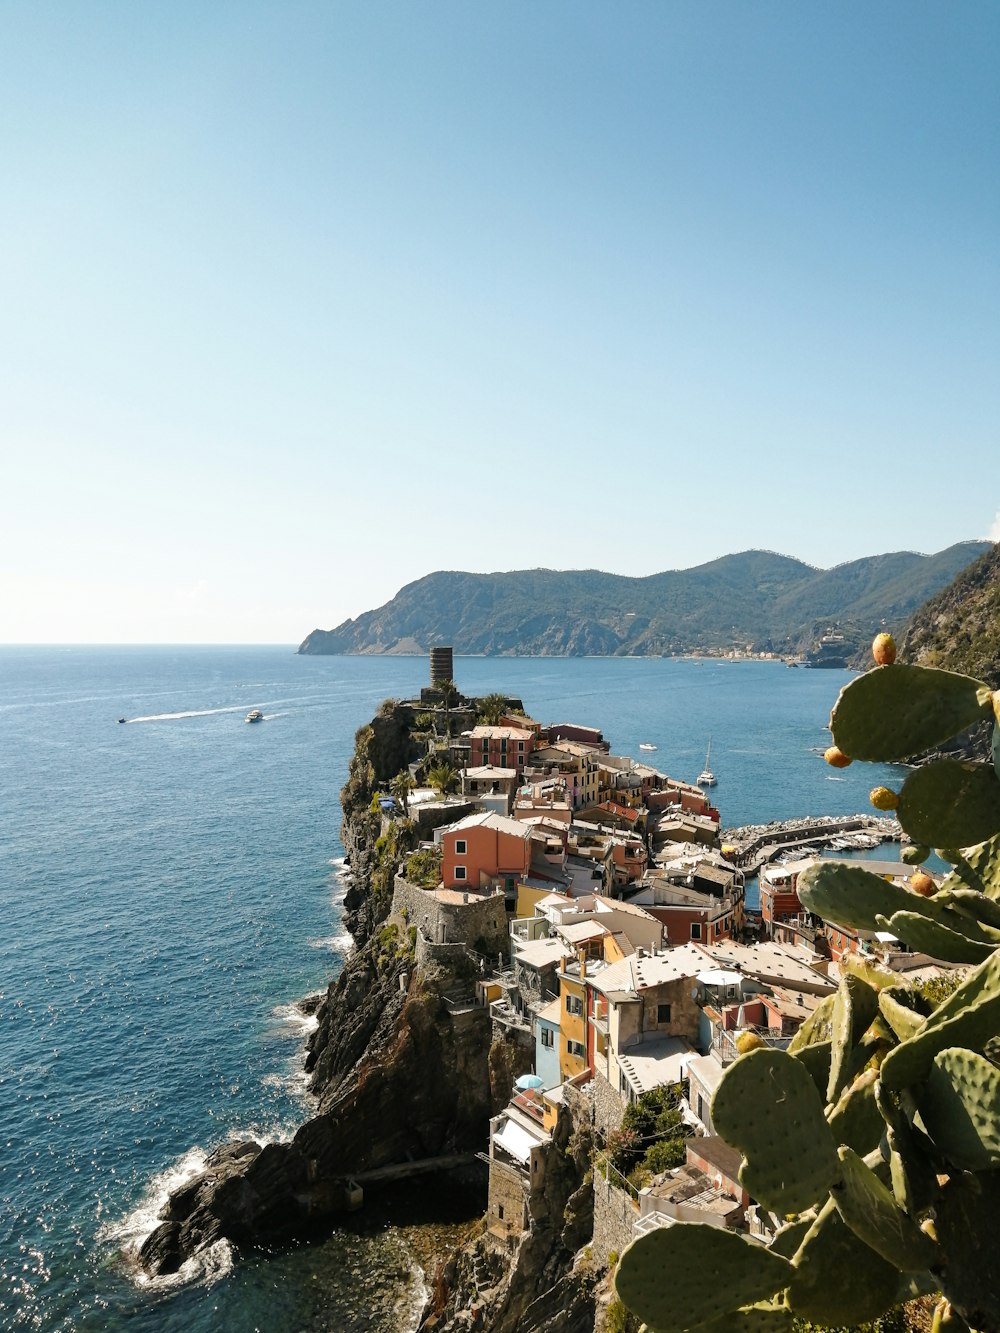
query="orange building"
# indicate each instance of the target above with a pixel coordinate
(485, 852)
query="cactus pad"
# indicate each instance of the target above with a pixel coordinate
(856, 1120)
(816, 1057)
(925, 935)
(969, 1017)
(968, 1223)
(768, 1107)
(891, 715)
(871, 1212)
(901, 1008)
(978, 869)
(818, 1027)
(763, 1317)
(850, 896)
(839, 1280)
(960, 1107)
(855, 1007)
(951, 803)
(684, 1277)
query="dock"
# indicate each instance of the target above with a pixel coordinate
(755, 845)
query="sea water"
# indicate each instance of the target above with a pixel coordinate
(171, 885)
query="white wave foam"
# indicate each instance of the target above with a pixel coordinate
(295, 1083)
(411, 1307)
(341, 943)
(129, 1233)
(291, 1015)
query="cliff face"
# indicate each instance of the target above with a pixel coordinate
(546, 1284)
(399, 1071)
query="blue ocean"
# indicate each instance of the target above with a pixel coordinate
(172, 885)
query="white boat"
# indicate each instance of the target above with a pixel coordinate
(706, 778)
(255, 715)
(644, 745)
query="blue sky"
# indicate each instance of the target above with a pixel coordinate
(299, 302)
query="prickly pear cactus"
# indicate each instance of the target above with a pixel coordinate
(893, 1187)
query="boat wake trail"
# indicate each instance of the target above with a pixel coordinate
(194, 712)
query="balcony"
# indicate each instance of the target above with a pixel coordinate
(724, 1042)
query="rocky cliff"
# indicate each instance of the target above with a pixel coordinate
(398, 1074)
(546, 1283)
(403, 1068)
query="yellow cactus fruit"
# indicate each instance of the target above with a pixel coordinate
(749, 1041)
(883, 799)
(922, 883)
(884, 649)
(836, 758)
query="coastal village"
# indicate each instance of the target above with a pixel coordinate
(602, 915)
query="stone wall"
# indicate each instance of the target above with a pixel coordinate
(506, 1210)
(480, 919)
(608, 1106)
(615, 1214)
(432, 816)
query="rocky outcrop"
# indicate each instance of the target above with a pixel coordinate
(547, 1283)
(399, 1070)
(398, 1077)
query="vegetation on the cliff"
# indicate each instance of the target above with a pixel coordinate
(959, 628)
(652, 1137)
(756, 597)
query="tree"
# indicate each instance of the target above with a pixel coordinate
(401, 786)
(442, 778)
(491, 708)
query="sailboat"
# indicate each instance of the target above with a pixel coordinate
(706, 778)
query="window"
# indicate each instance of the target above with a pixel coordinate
(574, 1005)
(500, 1211)
(663, 1013)
(575, 1048)
(696, 930)
(460, 872)
(461, 847)
(520, 746)
(548, 1037)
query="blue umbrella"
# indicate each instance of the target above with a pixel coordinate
(527, 1081)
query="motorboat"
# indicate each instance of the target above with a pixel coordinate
(255, 715)
(644, 745)
(706, 778)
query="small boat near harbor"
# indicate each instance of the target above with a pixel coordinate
(645, 745)
(255, 715)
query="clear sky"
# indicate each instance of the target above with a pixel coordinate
(302, 301)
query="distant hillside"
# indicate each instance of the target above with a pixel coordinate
(959, 628)
(756, 599)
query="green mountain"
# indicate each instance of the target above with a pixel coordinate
(959, 627)
(756, 599)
